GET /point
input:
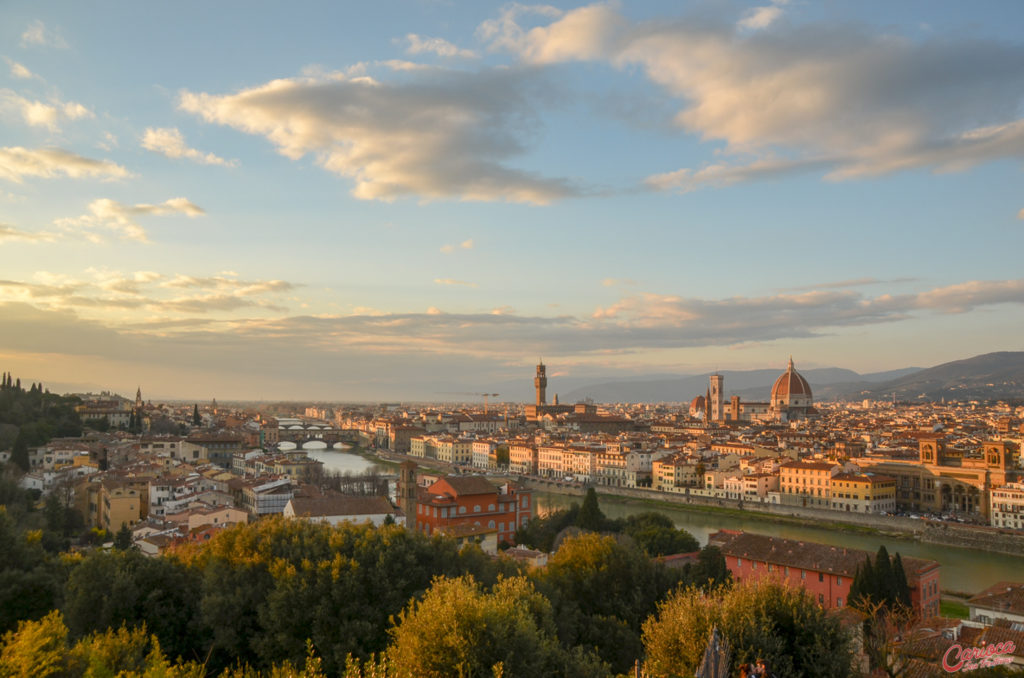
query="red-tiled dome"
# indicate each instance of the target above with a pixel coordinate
(790, 384)
(697, 403)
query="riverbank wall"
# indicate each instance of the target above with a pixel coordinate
(952, 534)
(982, 538)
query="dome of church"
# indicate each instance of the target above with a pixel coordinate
(697, 403)
(791, 385)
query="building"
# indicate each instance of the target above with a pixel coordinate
(807, 483)
(826, 572)
(540, 407)
(1007, 506)
(1004, 600)
(863, 493)
(340, 508)
(790, 400)
(471, 500)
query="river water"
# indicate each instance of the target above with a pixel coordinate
(963, 570)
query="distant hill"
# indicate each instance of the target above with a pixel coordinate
(748, 384)
(984, 377)
(988, 376)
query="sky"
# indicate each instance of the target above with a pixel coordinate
(409, 199)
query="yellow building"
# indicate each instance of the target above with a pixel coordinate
(119, 504)
(863, 493)
(807, 483)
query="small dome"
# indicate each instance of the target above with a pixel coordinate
(790, 384)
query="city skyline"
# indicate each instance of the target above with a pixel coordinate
(384, 202)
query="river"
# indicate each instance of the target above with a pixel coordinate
(963, 570)
(966, 570)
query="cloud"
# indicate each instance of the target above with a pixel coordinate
(757, 18)
(40, 114)
(9, 233)
(452, 282)
(1020, 214)
(19, 71)
(434, 135)
(101, 293)
(110, 215)
(17, 162)
(828, 98)
(855, 282)
(38, 34)
(464, 245)
(438, 46)
(170, 142)
(612, 282)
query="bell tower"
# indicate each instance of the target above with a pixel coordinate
(717, 397)
(540, 382)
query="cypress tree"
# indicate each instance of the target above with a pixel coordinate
(196, 419)
(886, 580)
(590, 516)
(900, 577)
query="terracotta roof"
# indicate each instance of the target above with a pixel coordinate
(1005, 596)
(806, 555)
(790, 383)
(340, 505)
(470, 485)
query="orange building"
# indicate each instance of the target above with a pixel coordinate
(472, 500)
(826, 572)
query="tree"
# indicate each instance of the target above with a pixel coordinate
(501, 456)
(123, 538)
(590, 516)
(602, 591)
(459, 629)
(657, 535)
(196, 419)
(762, 618)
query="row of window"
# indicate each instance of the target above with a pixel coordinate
(775, 568)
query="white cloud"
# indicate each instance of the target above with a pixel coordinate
(39, 114)
(110, 215)
(38, 34)
(102, 293)
(19, 71)
(454, 283)
(1020, 214)
(757, 18)
(438, 46)
(436, 134)
(815, 97)
(9, 233)
(464, 245)
(170, 142)
(17, 162)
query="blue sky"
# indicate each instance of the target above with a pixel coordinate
(388, 200)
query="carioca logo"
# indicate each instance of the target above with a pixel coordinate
(969, 658)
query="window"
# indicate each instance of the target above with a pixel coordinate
(787, 571)
(490, 507)
(462, 509)
(739, 562)
(821, 576)
(839, 581)
(490, 524)
(753, 564)
(839, 602)
(476, 508)
(821, 599)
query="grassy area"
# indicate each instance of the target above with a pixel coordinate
(953, 608)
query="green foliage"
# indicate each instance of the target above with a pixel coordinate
(501, 455)
(39, 649)
(196, 419)
(38, 415)
(459, 629)
(123, 538)
(657, 535)
(540, 533)
(30, 579)
(602, 591)
(760, 619)
(267, 587)
(590, 516)
(883, 581)
(108, 590)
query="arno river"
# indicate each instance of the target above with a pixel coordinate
(966, 570)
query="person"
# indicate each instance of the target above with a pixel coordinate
(761, 669)
(746, 670)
